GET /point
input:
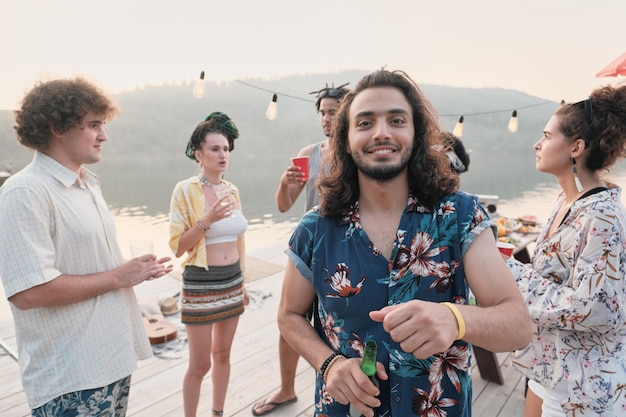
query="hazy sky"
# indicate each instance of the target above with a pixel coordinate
(551, 48)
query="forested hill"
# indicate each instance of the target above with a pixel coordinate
(156, 121)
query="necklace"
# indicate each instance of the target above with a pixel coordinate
(207, 183)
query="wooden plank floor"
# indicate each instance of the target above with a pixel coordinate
(157, 385)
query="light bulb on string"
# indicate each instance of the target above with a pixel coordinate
(513, 122)
(272, 109)
(458, 129)
(198, 89)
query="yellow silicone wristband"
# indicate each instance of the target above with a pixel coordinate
(459, 319)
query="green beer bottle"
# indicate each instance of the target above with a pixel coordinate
(368, 366)
(368, 362)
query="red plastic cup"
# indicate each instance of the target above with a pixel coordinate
(506, 248)
(303, 163)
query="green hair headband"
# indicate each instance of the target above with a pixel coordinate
(215, 122)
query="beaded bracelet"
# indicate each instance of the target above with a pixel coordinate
(201, 226)
(459, 319)
(327, 363)
(325, 376)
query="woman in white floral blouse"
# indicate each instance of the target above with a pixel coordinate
(575, 287)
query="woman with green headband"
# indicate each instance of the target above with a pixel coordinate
(206, 223)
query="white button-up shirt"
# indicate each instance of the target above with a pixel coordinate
(52, 223)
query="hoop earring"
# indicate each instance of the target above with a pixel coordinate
(579, 185)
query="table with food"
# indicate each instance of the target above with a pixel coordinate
(520, 231)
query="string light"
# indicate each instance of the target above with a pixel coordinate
(461, 118)
(198, 89)
(272, 108)
(513, 122)
(458, 129)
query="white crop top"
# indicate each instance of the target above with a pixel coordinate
(226, 230)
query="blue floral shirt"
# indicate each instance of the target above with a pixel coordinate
(576, 295)
(351, 278)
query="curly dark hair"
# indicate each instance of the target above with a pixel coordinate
(430, 176)
(57, 106)
(216, 122)
(600, 121)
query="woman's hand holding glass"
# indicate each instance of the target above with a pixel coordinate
(225, 198)
(221, 209)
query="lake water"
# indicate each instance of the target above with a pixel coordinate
(139, 194)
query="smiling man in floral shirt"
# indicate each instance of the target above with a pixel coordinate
(391, 254)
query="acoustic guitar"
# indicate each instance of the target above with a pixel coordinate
(159, 330)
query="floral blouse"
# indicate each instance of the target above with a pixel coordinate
(351, 278)
(576, 294)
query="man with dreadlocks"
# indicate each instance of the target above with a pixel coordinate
(292, 182)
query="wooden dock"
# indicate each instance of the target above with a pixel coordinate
(157, 385)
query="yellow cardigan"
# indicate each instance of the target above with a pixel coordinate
(186, 208)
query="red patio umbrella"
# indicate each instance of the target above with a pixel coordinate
(615, 68)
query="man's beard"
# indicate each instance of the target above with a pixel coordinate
(382, 173)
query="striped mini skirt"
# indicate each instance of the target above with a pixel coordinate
(211, 295)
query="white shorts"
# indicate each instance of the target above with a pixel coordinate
(552, 399)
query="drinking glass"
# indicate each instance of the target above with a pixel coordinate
(223, 190)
